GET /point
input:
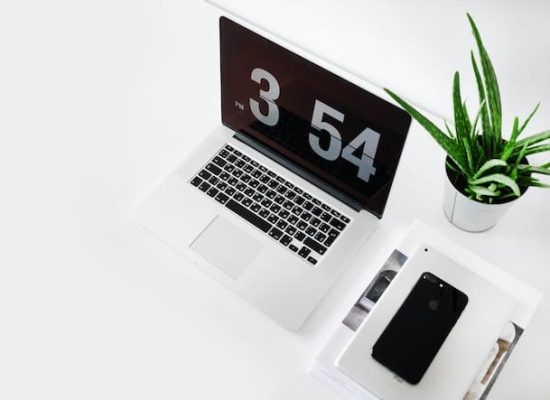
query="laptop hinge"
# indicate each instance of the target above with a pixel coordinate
(266, 151)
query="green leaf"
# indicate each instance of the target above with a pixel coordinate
(489, 164)
(448, 144)
(509, 148)
(483, 191)
(486, 137)
(534, 169)
(498, 178)
(491, 88)
(533, 139)
(468, 151)
(461, 126)
(537, 149)
(528, 118)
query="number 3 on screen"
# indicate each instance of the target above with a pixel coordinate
(368, 138)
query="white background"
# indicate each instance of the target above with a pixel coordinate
(98, 100)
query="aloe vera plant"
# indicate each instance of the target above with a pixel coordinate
(494, 169)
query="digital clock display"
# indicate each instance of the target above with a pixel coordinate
(335, 130)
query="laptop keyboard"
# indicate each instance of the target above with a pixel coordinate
(297, 220)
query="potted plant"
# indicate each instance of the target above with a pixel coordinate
(486, 173)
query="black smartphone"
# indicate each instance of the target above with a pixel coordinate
(418, 329)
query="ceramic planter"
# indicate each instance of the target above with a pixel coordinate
(468, 214)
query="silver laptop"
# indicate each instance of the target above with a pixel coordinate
(276, 201)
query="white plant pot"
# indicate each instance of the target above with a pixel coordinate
(468, 214)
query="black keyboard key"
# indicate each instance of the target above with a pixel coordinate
(212, 192)
(315, 222)
(281, 189)
(237, 173)
(204, 186)
(204, 174)
(224, 176)
(238, 196)
(306, 216)
(284, 214)
(213, 180)
(307, 206)
(264, 179)
(248, 168)
(311, 231)
(255, 207)
(290, 195)
(345, 219)
(222, 186)
(240, 163)
(249, 192)
(320, 237)
(317, 202)
(324, 228)
(325, 216)
(272, 184)
(228, 147)
(301, 225)
(262, 189)
(312, 260)
(282, 224)
(316, 211)
(230, 191)
(325, 207)
(304, 252)
(262, 168)
(271, 194)
(330, 240)
(335, 213)
(299, 200)
(222, 198)
(254, 163)
(275, 208)
(257, 197)
(293, 248)
(336, 223)
(213, 169)
(288, 205)
(231, 158)
(237, 153)
(299, 236)
(271, 174)
(293, 219)
(280, 179)
(296, 210)
(315, 245)
(229, 168)
(298, 190)
(286, 240)
(290, 230)
(273, 218)
(247, 202)
(245, 157)
(264, 212)
(275, 233)
(248, 215)
(246, 178)
(289, 185)
(333, 233)
(254, 183)
(266, 202)
(196, 181)
(219, 161)
(256, 173)
(307, 196)
(279, 199)
(224, 153)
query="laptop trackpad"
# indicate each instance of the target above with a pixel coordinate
(227, 247)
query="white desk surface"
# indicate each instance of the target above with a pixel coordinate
(99, 99)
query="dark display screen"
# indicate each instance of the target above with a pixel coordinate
(335, 130)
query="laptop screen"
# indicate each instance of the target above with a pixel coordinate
(341, 134)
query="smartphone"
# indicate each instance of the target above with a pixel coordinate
(411, 340)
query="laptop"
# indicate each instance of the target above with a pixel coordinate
(279, 198)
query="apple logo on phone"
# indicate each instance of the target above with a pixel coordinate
(433, 305)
